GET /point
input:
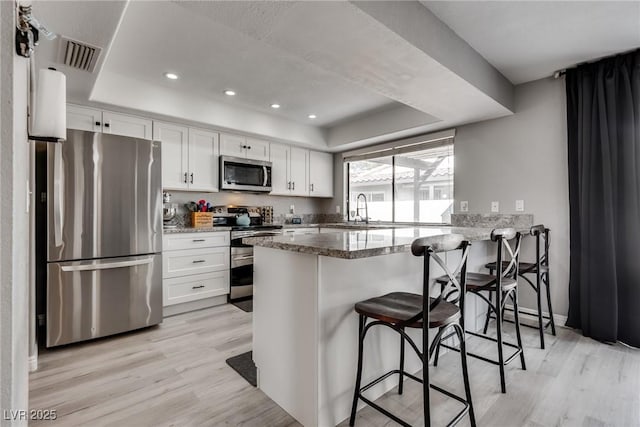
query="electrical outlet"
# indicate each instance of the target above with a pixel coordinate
(337, 209)
(464, 206)
(292, 209)
(495, 206)
(519, 205)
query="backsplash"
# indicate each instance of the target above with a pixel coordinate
(310, 210)
(491, 220)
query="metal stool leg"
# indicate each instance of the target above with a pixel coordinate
(539, 299)
(514, 298)
(356, 393)
(498, 306)
(465, 372)
(425, 377)
(488, 317)
(437, 355)
(551, 319)
(401, 381)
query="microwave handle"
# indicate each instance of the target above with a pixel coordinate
(266, 176)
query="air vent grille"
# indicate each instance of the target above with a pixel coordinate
(79, 55)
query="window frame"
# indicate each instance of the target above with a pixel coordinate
(392, 149)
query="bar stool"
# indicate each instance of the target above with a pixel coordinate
(507, 282)
(400, 310)
(541, 270)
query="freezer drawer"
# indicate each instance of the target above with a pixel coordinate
(96, 298)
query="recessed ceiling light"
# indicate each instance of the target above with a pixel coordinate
(312, 116)
(171, 76)
(275, 106)
(229, 92)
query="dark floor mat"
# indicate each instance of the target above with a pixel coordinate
(244, 305)
(243, 364)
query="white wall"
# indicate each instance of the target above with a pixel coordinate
(523, 156)
(14, 223)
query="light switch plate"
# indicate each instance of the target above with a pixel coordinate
(292, 209)
(495, 206)
(519, 205)
(337, 209)
(464, 206)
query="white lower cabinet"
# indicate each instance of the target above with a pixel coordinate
(195, 266)
(198, 286)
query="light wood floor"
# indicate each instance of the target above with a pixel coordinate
(176, 374)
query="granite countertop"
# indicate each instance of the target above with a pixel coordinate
(353, 244)
(194, 230)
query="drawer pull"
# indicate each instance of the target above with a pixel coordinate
(197, 287)
(197, 240)
(198, 261)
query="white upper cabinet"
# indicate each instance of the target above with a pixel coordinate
(279, 157)
(175, 154)
(240, 146)
(298, 171)
(289, 170)
(126, 125)
(92, 119)
(203, 160)
(257, 149)
(84, 118)
(320, 174)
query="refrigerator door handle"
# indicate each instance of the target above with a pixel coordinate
(58, 195)
(106, 266)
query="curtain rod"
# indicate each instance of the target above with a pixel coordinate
(562, 72)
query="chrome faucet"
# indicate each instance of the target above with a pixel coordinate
(366, 208)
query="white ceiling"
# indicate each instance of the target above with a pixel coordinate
(530, 40)
(368, 70)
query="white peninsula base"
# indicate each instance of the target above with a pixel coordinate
(305, 336)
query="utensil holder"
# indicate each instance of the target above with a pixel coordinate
(201, 219)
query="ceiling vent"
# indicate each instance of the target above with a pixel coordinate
(78, 55)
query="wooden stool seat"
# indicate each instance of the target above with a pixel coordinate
(400, 307)
(476, 281)
(523, 267)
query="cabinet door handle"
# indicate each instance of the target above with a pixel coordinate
(197, 240)
(185, 177)
(293, 187)
(288, 185)
(243, 146)
(311, 187)
(192, 178)
(197, 287)
(198, 261)
(97, 123)
(248, 147)
(107, 124)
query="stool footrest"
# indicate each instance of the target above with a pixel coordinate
(379, 408)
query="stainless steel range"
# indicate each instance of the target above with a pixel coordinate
(241, 277)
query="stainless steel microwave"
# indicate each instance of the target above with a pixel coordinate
(238, 174)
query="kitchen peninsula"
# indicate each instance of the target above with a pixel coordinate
(305, 329)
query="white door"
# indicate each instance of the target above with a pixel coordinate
(84, 118)
(203, 160)
(298, 171)
(126, 125)
(257, 149)
(279, 157)
(233, 145)
(320, 174)
(175, 154)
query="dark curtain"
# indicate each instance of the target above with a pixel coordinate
(603, 124)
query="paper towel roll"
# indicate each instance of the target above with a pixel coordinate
(50, 109)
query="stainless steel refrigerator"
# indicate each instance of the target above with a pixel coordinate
(104, 236)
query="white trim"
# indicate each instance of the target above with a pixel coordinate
(33, 363)
(559, 319)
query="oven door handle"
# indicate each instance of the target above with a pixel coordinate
(242, 258)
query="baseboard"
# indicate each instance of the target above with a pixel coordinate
(559, 319)
(172, 310)
(33, 363)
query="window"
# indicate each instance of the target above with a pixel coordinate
(414, 184)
